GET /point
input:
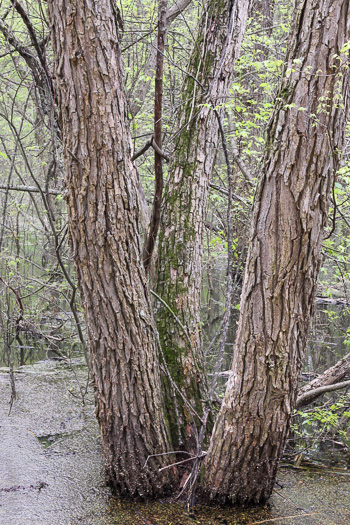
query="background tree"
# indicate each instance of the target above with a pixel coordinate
(36, 271)
(179, 282)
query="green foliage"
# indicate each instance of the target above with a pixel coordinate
(329, 420)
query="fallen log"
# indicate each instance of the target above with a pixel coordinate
(331, 379)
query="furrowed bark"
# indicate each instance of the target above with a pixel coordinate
(218, 43)
(305, 137)
(102, 203)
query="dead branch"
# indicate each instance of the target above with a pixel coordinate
(310, 396)
(334, 375)
(225, 192)
(28, 189)
(142, 150)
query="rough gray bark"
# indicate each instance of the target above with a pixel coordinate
(305, 137)
(218, 44)
(104, 233)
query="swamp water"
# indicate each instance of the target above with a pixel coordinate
(51, 464)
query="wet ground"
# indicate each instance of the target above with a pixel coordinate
(51, 467)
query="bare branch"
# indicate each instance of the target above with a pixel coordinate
(150, 143)
(41, 57)
(225, 192)
(158, 150)
(332, 376)
(29, 189)
(25, 52)
(142, 150)
(310, 396)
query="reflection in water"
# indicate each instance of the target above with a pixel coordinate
(328, 336)
(328, 333)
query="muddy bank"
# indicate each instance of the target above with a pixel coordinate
(51, 467)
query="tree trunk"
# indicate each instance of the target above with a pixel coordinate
(305, 137)
(150, 242)
(220, 34)
(104, 233)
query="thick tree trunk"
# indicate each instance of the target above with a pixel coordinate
(104, 233)
(305, 137)
(220, 34)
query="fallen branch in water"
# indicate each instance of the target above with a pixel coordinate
(283, 518)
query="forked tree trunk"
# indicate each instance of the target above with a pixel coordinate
(104, 233)
(219, 39)
(304, 142)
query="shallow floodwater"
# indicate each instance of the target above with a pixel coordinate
(51, 467)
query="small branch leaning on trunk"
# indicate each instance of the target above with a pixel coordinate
(149, 143)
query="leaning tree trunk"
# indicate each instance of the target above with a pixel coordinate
(219, 39)
(304, 142)
(104, 234)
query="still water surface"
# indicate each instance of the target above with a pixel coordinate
(51, 464)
